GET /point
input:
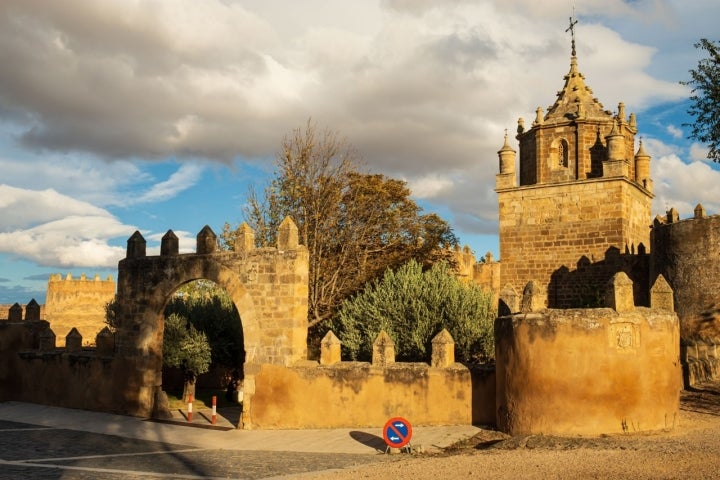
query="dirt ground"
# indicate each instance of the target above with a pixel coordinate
(690, 451)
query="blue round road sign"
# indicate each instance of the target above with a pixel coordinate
(397, 432)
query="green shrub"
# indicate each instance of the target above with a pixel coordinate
(413, 306)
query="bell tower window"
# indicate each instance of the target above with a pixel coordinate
(563, 154)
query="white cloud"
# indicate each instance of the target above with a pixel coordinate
(69, 242)
(429, 186)
(682, 186)
(86, 179)
(52, 229)
(674, 131)
(20, 208)
(699, 152)
(185, 177)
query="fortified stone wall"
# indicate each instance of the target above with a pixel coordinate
(362, 394)
(78, 303)
(343, 394)
(33, 369)
(687, 253)
(590, 371)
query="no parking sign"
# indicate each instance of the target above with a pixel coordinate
(397, 432)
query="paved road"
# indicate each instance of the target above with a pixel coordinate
(41, 442)
(37, 452)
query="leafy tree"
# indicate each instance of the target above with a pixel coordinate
(186, 348)
(413, 306)
(355, 225)
(211, 311)
(705, 97)
(111, 315)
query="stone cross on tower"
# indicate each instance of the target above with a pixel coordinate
(571, 29)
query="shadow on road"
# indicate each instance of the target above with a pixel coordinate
(368, 439)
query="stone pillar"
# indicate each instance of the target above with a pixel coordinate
(443, 350)
(15, 313)
(47, 340)
(383, 350)
(661, 295)
(169, 245)
(619, 294)
(105, 342)
(73, 341)
(136, 245)
(533, 299)
(206, 241)
(287, 235)
(330, 349)
(32, 311)
(245, 239)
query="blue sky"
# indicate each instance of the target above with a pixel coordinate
(118, 116)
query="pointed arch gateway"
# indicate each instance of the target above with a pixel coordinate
(269, 287)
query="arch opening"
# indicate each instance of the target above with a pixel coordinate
(202, 306)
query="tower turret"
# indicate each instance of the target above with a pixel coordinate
(615, 145)
(506, 177)
(642, 168)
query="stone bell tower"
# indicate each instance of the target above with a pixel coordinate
(581, 198)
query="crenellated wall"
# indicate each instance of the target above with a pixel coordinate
(589, 371)
(366, 394)
(343, 394)
(33, 369)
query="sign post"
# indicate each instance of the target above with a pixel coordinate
(397, 433)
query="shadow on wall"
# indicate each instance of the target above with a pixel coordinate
(585, 286)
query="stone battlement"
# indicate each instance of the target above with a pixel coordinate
(584, 371)
(34, 369)
(352, 394)
(57, 277)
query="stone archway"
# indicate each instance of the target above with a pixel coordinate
(269, 287)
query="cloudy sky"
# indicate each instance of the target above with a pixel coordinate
(124, 115)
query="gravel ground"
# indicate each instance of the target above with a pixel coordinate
(690, 451)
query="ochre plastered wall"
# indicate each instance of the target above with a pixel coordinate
(588, 372)
(357, 394)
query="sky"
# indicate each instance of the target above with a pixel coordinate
(125, 115)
